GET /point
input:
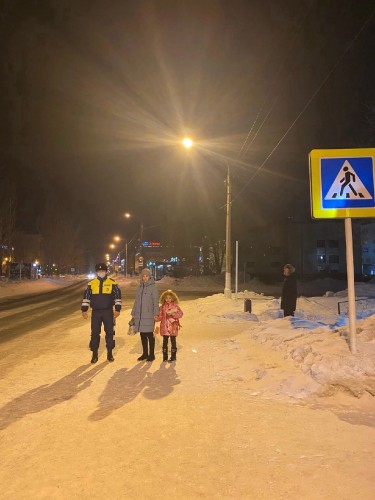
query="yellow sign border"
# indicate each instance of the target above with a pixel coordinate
(317, 210)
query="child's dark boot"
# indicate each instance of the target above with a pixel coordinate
(110, 356)
(94, 358)
(165, 354)
(173, 355)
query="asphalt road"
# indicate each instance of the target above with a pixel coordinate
(24, 314)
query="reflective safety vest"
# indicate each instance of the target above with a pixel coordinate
(102, 294)
(98, 286)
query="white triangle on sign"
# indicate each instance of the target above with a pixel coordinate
(347, 186)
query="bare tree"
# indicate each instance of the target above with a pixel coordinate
(7, 216)
(61, 238)
(217, 254)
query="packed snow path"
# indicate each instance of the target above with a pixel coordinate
(194, 429)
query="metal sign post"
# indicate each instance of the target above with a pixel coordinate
(351, 289)
(342, 185)
(236, 282)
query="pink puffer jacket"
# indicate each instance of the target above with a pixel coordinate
(169, 317)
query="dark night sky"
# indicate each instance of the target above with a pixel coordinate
(95, 96)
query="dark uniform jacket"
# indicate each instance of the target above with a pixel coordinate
(102, 294)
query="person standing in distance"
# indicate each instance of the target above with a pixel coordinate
(289, 291)
(145, 312)
(102, 294)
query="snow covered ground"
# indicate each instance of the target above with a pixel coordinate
(23, 287)
(257, 406)
(316, 338)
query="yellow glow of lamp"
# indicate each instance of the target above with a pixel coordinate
(187, 142)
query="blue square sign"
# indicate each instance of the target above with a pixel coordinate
(342, 183)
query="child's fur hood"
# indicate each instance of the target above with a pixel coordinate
(168, 292)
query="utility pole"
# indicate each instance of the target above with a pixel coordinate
(126, 258)
(228, 286)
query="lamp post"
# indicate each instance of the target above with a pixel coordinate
(127, 215)
(117, 238)
(228, 276)
(187, 142)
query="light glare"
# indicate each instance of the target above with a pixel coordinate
(187, 142)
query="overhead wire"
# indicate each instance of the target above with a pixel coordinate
(338, 61)
(271, 86)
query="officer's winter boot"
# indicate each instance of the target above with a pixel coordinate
(165, 354)
(173, 355)
(151, 340)
(94, 358)
(110, 355)
(144, 347)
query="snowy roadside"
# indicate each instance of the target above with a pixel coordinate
(12, 288)
(312, 339)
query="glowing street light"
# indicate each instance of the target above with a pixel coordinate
(188, 143)
(117, 238)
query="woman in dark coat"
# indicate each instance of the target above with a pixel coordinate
(145, 312)
(289, 291)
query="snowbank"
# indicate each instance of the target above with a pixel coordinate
(10, 288)
(312, 339)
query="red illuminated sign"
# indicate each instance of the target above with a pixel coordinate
(151, 244)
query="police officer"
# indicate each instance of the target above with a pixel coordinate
(102, 293)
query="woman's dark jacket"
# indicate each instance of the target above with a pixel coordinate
(289, 293)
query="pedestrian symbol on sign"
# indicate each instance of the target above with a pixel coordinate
(347, 185)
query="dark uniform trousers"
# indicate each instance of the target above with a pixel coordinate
(98, 317)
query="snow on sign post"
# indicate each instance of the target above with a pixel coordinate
(342, 187)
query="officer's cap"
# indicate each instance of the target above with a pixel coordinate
(101, 267)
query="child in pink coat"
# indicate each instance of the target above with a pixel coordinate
(169, 316)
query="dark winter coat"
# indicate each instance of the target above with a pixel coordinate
(289, 293)
(146, 306)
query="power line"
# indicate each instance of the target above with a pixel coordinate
(278, 73)
(363, 27)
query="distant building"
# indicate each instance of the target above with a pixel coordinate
(368, 248)
(313, 247)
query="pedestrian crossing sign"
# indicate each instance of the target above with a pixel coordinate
(342, 183)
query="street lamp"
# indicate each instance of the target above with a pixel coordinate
(117, 238)
(127, 215)
(228, 276)
(187, 142)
